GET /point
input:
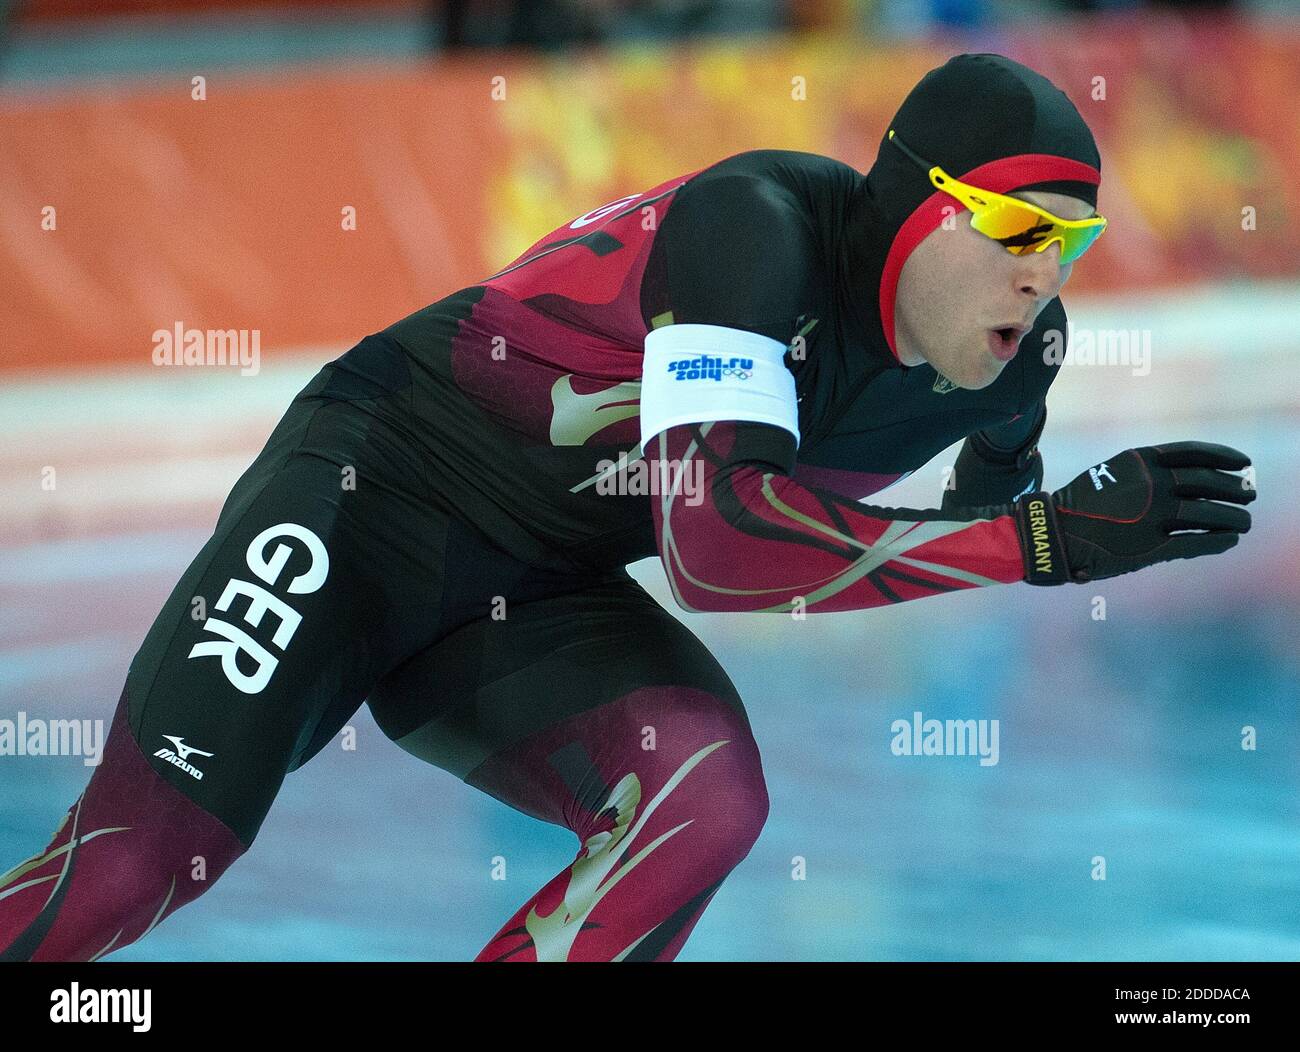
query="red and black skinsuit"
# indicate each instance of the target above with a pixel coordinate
(470, 583)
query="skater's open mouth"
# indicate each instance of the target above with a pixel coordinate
(1004, 341)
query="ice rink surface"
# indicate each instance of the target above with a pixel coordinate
(1120, 739)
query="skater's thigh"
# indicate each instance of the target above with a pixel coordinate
(599, 669)
(322, 574)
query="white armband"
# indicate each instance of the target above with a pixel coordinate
(695, 374)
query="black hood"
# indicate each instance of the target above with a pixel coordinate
(982, 118)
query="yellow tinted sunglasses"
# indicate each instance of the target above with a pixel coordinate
(1019, 226)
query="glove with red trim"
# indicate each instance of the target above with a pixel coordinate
(1120, 515)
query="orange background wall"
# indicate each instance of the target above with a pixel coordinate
(226, 212)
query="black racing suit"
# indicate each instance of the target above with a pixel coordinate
(433, 526)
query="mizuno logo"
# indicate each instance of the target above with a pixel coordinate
(179, 756)
(1098, 473)
(1038, 536)
(185, 751)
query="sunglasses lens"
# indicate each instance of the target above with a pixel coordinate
(1021, 230)
(1077, 241)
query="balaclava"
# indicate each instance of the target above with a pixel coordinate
(985, 120)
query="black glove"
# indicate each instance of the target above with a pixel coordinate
(987, 474)
(1116, 517)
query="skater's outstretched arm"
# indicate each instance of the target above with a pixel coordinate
(759, 540)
